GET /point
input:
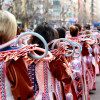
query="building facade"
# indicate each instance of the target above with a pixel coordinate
(98, 11)
(94, 11)
(87, 16)
(56, 12)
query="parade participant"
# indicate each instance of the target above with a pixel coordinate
(44, 83)
(18, 30)
(87, 27)
(54, 91)
(79, 27)
(14, 80)
(76, 66)
(90, 62)
(61, 32)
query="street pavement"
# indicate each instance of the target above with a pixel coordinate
(95, 95)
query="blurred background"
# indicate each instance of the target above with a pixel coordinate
(29, 13)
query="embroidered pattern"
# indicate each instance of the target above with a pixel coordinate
(59, 91)
(78, 85)
(77, 79)
(32, 76)
(16, 54)
(2, 81)
(85, 74)
(43, 96)
(46, 81)
(90, 68)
